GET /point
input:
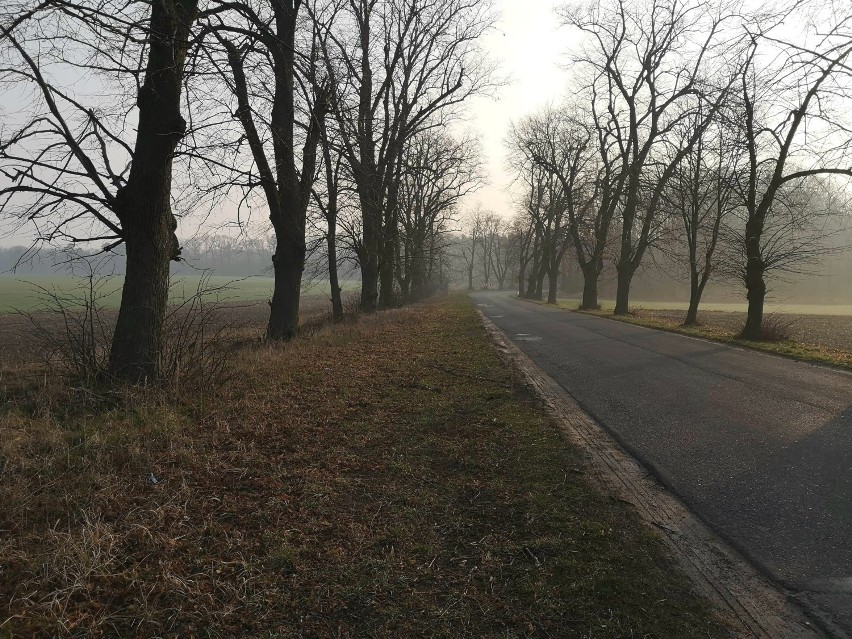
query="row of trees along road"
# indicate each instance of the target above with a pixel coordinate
(695, 128)
(123, 117)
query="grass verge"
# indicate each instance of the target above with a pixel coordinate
(381, 479)
(792, 349)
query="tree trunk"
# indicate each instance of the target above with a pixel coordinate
(333, 277)
(386, 267)
(143, 205)
(696, 288)
(369, 259)
(591, 273)
(539, 283)
(756, 287)
(137, 341)
(521, 280)
(531, 281)
(288, 266)
(553, 283)
(622, 295)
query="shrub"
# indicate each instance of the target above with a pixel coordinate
(777, 328)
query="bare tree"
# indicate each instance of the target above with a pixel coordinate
(521, 238)
(795, 127)
(649, 68)
(400, 67)
(503, 252)
(471, 242)
(329, 205)
(261, 44)
(73, 166)
(701, 196)
(558, 143)
(438, 170)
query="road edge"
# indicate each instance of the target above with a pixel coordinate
(808, 361)
(753, 605)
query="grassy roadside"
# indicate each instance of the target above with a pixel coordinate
(789, 348)
(382, 479)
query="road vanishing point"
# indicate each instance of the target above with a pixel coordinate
(758, 446)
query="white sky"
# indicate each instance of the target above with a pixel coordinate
(531, 48)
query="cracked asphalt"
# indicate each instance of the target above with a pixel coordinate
(758, 446)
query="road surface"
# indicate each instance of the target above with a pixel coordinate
(758, 446)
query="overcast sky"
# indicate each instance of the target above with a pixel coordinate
(530, 47)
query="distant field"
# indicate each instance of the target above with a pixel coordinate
(24, 293)
(725, 307)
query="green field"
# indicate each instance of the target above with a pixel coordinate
(26, 293)
(728, 307)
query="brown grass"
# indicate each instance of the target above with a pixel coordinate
(380, 479)
(804, 338)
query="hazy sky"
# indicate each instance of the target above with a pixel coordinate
(530, 47)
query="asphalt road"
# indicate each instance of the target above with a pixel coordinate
(759, 447)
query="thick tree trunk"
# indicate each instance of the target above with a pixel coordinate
(521, 281)
(622, 295)
(696, 290)
(416, 283)
(137, 341)
(553, 285)
(143, 205)
(370, 258)
(756, 287)
(539, 283)
(531, 281)
(386, 265)
(288, 265)
(591, 273)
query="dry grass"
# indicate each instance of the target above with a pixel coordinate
(809, 338)
(379, 479)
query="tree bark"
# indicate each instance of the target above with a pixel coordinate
(697, 284)
(539, 282)
(332, 184)
(531, 282)
(143, 205)
(622, 295)
(553, 285)
(288, 265)
(591, 274)
(372, 238)
(390, 236)
(333, 278)
(756, 287)
(386, 272)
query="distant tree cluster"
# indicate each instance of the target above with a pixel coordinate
(697, 131)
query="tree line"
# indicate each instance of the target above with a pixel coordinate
(128, 116)
(698, 129)
(698, 132)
